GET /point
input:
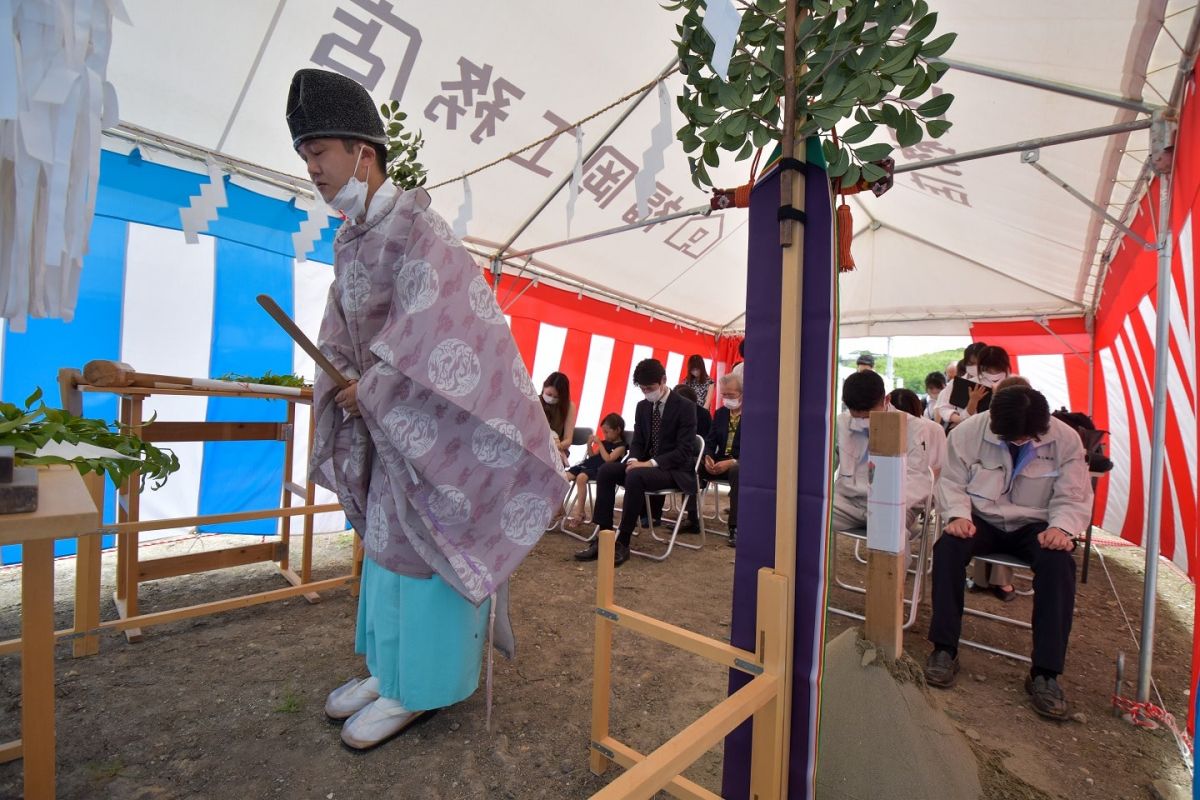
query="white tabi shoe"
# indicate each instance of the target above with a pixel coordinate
(350, 697)
(377, 723)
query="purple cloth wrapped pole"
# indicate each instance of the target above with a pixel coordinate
(756, 524)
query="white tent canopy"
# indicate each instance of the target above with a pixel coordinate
(990, 238)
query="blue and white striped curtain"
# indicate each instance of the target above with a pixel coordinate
(148, 298)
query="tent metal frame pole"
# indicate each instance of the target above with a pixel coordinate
(604, 137)
(704, 210)
(1162, 360)
(1131, 103)
(1029, 144)
(1044, 323)
(1030, 157)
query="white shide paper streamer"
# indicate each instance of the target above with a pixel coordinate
(465, 211)
(54, 101)
(203, 207)
(722, 21)
(653, 160)
(576, 179)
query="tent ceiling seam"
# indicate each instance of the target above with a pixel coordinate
(262, 48)
(981, 265)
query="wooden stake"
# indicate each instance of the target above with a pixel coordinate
(884, 624)
(602, 655)
(37, 666)
(767, 758)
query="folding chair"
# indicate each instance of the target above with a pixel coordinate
(579, 436)
(714, 484)
(679, 517)
(919, 572)
(1003, 560)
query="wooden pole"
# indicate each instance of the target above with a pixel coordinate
(87, 577)
(602, 655)
(886, 532)
(791, 239)
(37, 667)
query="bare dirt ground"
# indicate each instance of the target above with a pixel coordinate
(229, 706)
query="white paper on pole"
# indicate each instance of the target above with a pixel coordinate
(576, 178)
(722, 21)
(886, 509)
(465, 211)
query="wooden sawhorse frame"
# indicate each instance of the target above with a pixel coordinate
(760, 699)
(131, 571)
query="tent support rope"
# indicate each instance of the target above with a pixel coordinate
(591, 152)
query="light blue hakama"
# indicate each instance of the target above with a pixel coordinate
(422, 640)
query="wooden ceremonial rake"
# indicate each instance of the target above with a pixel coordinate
(306, 344)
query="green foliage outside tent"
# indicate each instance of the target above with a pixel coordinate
(910, 369)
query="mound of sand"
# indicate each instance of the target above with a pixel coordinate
(881, 737)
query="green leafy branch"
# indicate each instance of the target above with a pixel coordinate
(867, 60)
(402, 149)
(268, 379)
(31, 428)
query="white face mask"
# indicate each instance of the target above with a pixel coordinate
(859, 424)
(695, 373)
(732, 403)
(971, 373)
(991, 378)
(653, 396)
(549, 399)
(351, 199)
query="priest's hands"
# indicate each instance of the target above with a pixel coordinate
(347, 399)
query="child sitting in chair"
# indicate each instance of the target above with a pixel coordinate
(600, 451)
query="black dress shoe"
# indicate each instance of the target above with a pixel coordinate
(732, 536)
(589, 553)
(621, 555)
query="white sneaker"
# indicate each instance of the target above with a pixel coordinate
(350, 697)
(376, 723)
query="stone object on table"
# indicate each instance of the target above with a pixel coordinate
(20, 494)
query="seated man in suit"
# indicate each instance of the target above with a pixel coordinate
(863, 392)
(662, 456)
(1015, 481)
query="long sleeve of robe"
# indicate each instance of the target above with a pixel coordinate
(451, 468)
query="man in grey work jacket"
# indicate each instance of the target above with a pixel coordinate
(1015, 482)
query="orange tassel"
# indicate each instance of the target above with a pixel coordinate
(845, 233)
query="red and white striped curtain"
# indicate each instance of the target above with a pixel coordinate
(596, 346)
